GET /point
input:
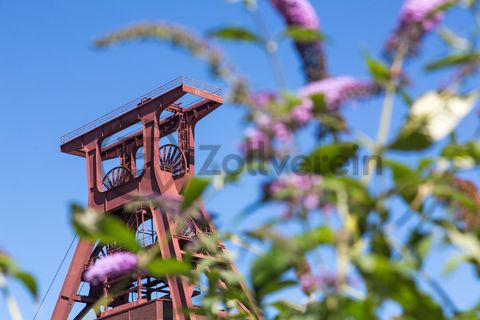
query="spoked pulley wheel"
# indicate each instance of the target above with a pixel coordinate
(116, 177)
(172, 159)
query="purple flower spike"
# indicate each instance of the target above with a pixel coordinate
(257, 144)
(308, 283)
(114, 265)
(417, 18)
(261, 99)
(311, 201)
(256, 138)
(281, 132)
(325, 281)
(297, 13)
(414, 11)
(300, 13)
(338, 90)
(297, 189)
(302, 183)
(303, 112)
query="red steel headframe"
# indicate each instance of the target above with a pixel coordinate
(165, 171)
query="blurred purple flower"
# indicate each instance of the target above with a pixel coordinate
(114, 265)
(310, 282)
(297, 13)
(328, 208)
(327, 281)
(256, 138)
(261, 99)
(300, 13)
(311, 201)
(414, 11)
(263, 120)
(257, 143)
(417, 18)
(297, 190)
(295, 181)
(281, 132)
(338, 90)
(303, 112)
(313, 58)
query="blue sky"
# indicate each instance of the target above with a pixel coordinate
(53, 81)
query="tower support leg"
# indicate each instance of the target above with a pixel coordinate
(170, 249)
(72, 281)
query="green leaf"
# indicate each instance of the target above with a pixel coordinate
(462, 154)
(231, 277)
(454, 262)
(276, 286)
(466, 242)
(194, 189)
(162, 267)
(329, 159)
(425, 163)
(401, 172)
(234, 33)
(406, 180)
(287, 308)
(338, 307)
(379, 71)
(433, 117)
(472, 313)
(454, 60)
(405, 97)
(390, 280)
(424, 246)
(105, 227)
(28, 281)
(419, 244)
(331, 307)
(380, 244)
(411, 137)
(319, 103)
(9, 267)
(303, 34)
(331, 121)
(446, 189)
(360, 201)
(285, 254)
(268, 269)
(7, 264)
(453, 39)
(313, 238)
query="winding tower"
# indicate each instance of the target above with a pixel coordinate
(134, 138)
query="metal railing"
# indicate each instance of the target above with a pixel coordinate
(134, 103)
(138, 131)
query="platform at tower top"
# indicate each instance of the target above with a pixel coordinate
(198, 88)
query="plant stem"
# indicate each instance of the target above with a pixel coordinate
(269, 45)
(387, 110)
(343, 238)
(9, 299)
